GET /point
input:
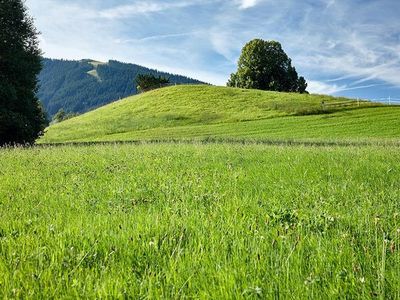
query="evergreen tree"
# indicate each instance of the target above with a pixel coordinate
(61, 115)
(148, 82)
(22, 118)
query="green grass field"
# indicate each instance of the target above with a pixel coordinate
(199, 112)
(224, 194)
(200, 221)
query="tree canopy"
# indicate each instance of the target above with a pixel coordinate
(22, 118)
(146, 82)
(264, 65)
(61, 115)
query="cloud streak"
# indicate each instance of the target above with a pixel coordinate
(245, 4)
(140, 8)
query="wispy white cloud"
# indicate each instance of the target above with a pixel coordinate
(224, 43)
(141, 7)
(330, 3)
(159, 37)
(244, 4)
(340, 78)
(318, 87)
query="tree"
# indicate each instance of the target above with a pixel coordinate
(264, 65)
(146, 82)
(61, 115)
(22, 118)
(302, 85)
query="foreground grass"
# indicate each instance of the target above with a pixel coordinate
(206, 111)
(200, 221)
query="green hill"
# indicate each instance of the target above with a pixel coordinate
(197, 112)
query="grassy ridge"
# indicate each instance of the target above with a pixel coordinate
(358, 125)
(202, 111)
(199, 221)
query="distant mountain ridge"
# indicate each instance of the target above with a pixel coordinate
(81, 86)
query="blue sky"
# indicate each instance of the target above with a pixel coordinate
(342, 47)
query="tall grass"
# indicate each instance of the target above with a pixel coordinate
(201, 111)
(200, 221)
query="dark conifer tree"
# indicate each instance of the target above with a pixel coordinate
(21, 116)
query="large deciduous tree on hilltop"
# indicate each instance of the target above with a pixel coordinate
(264, 65)
(21, 116)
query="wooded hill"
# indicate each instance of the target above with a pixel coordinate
(80, 86)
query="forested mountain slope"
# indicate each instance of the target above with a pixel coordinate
(80, 86)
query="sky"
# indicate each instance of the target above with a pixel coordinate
(342, 47)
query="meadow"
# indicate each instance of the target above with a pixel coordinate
(216, 221)
(201, 112)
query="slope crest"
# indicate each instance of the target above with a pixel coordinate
(189, 105)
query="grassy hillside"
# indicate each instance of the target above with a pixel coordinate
(200, 222)
(181, 112)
